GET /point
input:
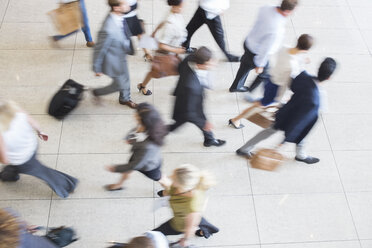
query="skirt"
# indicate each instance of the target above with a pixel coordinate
(135, 25)
(165, 65)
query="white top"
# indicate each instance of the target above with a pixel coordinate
(214, 8)
(20, 140)
(133, 12)
(158, 239)
(174, 32)
(266, 35)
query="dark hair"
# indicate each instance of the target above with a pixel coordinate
(326, 69)
(151, 119)
(141, 242)
(305, 42)
(174, 2)
(288, 5)
(202, 55)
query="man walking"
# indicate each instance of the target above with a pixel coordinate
(111, 51)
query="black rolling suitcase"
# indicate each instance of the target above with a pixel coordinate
(66, 99)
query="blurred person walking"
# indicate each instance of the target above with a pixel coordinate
(188, 201)
(298, 116)
(150, 239)
(264, 40)
(170, 34)
(85, 28)
(189, 92)
(146, 157)
(110, 53)
(18, 146)
(289, 64)
(209, 12)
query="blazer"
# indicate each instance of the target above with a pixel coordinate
(298, 116)
(146, 156)
(111, 49)
(189, 96)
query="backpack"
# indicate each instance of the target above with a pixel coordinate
(9, 174)
(61, 236)
(66, 99)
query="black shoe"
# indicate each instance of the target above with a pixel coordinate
(160, 193)
(231, 123)
(247, 155)
(308, 160)
(241, 89)
(215, 142)
(233, 58)
(191, 50)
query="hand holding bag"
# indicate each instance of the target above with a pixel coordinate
(261, 117)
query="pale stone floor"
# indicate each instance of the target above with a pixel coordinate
(324, 205)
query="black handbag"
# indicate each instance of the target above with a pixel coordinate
(61, 236)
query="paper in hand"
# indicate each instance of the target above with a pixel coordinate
(148, 42)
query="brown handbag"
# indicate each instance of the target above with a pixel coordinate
(67, 18)
(165, 65)
(262, 117)
(267, 159)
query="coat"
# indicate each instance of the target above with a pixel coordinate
(111, 49)
(189, 96)
(297, 117)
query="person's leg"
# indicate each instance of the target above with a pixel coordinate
(244, 114)
(61, 183)
(260, 78)
(119, 184)
(124, 88)
(302, 156)
(59, 37)
(85, 28)
(111, 88)
(246, 65)
(195, 23)
(142, 86)
(264, 134)
(206, 229)
(176, 125)
(167, 229)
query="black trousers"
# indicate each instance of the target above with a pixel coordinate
(246, 65)
(208, 136)
(207, 228)
(214, 25)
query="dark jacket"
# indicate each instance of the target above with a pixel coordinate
(146, 156)
(189, 96)
(297, 117)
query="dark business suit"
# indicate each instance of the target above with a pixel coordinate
(189, 100)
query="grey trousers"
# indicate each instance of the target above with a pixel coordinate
(266, 133)
(119, 83)
(61, 183)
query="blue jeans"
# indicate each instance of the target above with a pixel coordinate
(85, 28)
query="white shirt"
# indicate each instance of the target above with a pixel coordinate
(158, 239)
(133, 12)
(214, 8)
(20, 140)
(174, 32)
(266, 35)
(203, 76)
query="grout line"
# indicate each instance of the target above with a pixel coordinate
(343, 187)
(6, 9)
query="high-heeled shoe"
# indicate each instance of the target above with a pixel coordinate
(147, 57)
(231, 123)
(140, 89)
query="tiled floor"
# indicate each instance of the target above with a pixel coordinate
(324, 205)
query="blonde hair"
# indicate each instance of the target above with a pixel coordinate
(190, 177)
(8, 109)
(9, 230)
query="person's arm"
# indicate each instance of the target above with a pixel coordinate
(165, 47)
(100, 49)
(36, 127)
(262, 57)
(192, 222)
(3, 157)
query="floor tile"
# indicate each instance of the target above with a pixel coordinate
(367, 35)
(359, 205)
(362, 16)
(85, 214)
(230, 172)
(3, 8)
(366, 243)
(89, 168)
(295, 177)
(342, 132)
(334, 244)
(29, 187)
(52, 127)
(35, 212)
(311, 217)
(29, 11)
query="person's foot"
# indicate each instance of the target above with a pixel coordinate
(160, 193)
(233, 58)
(308, 160)
(147, 57)
(191, 50)
(241, 89)
(129, 103)
(236, 126)
(247, 155)
(215, 142)
(90, 44)
(113, 187)
(143, 90)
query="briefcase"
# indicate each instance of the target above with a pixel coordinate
(262, 117)
(67, 18)
(267, 159)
